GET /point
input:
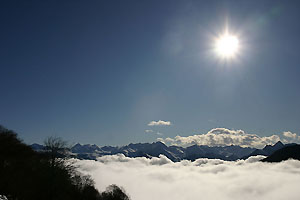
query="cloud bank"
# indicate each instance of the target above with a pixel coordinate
(225, 137)
(209, 179)
(159, 123)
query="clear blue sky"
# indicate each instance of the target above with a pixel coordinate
(100, 71)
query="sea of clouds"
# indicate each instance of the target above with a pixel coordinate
(207, 179)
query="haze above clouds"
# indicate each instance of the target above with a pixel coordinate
(209, 179)
(227, 137)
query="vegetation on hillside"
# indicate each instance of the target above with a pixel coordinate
(29, 175)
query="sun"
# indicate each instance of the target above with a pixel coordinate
(227, 45)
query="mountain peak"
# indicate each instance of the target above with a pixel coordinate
(288, 152)
(159, 143)
(77, 145)
(279, 144)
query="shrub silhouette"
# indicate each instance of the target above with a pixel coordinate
(113, 192)
(29, 175)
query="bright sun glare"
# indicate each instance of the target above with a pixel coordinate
(227, 45)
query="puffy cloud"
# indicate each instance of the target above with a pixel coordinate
(289, 134)
(210, 179)
(149, 131)
(223, 137)
(159, 123)
(290, 137)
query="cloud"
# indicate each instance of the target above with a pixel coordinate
(290, 137)
(223, 137)
(159, 133)
(151, 131)
(209, 179)
(289, 134)
(159, 123)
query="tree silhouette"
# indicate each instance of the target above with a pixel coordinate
(29, 175)
(55, 147)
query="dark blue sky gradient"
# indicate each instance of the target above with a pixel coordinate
(100, 71)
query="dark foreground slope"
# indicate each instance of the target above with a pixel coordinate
(28, 175)
(267, 150)
(288, 152)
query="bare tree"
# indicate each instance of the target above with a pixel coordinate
(55, 147)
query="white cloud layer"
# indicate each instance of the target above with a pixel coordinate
(225, 137)
(159, 123)
(207, 179)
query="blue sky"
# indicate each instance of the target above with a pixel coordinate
(100, 71)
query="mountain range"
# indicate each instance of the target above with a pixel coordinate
(174, 153)
(285, 153)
